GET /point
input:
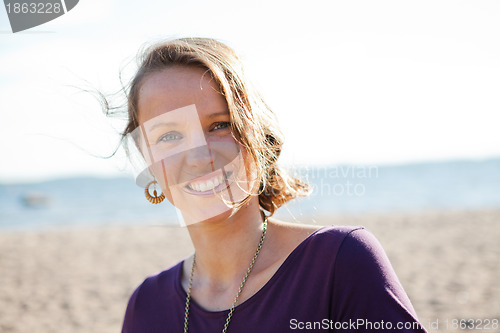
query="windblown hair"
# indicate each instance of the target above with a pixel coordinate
(254, 125)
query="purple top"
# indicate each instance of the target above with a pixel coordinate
(337, 279)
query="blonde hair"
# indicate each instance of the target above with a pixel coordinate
(253, 123)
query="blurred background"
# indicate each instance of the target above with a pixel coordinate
(390, 110)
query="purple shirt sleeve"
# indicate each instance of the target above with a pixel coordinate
(128, 321)
(367, 291)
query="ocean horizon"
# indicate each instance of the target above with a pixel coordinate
(337, 190)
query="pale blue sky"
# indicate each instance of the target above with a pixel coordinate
(351, 81)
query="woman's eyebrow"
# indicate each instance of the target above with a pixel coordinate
(216, 114)
(170, 123)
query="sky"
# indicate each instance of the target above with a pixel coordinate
(352, 82)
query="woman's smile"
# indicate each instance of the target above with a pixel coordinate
(209, 184)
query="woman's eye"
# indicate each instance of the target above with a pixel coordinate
(170, 136)
(222, 125)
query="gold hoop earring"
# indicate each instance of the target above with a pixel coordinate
(155, 198)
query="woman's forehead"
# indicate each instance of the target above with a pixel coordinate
(177, 87)
(178, 78)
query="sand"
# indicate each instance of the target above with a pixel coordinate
(79, 280)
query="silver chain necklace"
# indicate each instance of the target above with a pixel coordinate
(188, 298)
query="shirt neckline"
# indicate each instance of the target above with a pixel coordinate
(287, 262)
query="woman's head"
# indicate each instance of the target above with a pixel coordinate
(248, 120)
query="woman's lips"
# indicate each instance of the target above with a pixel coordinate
(209, 184)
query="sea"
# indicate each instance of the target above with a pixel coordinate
(336, 190)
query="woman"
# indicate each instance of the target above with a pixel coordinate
(211, 145)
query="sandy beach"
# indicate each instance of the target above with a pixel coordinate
(79, 280)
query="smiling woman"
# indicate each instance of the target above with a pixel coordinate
(211, 145)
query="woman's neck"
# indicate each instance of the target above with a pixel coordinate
(225, 249)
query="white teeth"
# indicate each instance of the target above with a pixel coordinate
(204, 187)
(208, 185)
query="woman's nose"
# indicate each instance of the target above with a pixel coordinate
(200, 159)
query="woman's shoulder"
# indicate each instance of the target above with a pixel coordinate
(351, 249)
(340, 248)
(158, 283)
(297, 236)
(314, 246)
(157, 293)
(359, 267)
(346, 244)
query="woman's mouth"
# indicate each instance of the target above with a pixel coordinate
(211, 185)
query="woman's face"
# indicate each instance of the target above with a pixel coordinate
(185, 137)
